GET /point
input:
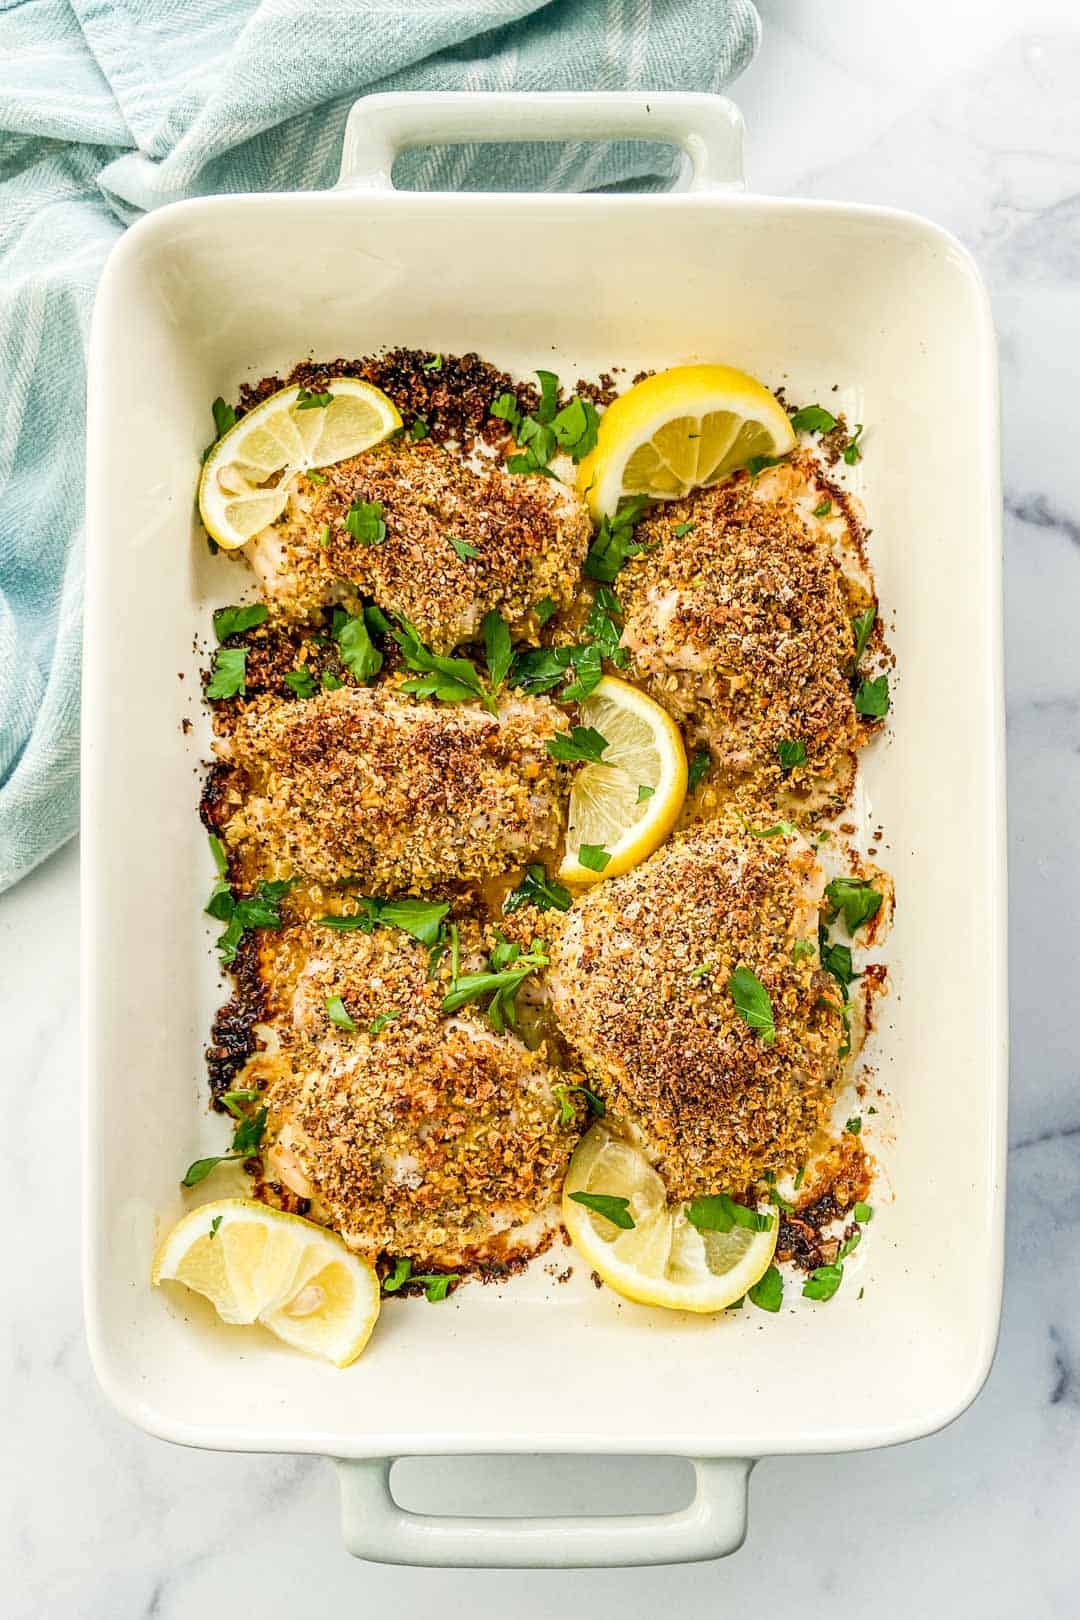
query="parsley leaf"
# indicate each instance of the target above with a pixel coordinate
(450, 680)
(752, 1003)
(214, 1224)
(234, 1101)
(872, 698)
(852, 452)
(364, 521)
(790, 753)
(849, 1245)
(497, 648)
(700, 760)
(233, 621)
(861, 626)
(863, 1213)
(247, 1138)
(506, 408)
(836, 959)
(682, 528)
(768, 1292)
(575, 427)
(202, 1167)
(758, 464)
(437, 1284)
(462, 547)
(537, 889)
(813, 419)
(823, 1282)
(419, 430)
(823, 510)
(567, 1111)
(422, 919)
(802, 948)
(358, 652)
(583, 743)
(856, 899)
(593, 856)
(399, 1276)
(434, 364)
(604, 624)
(224, 419)
(854, 1126)
(229, 675)
(613, 1209)
(301, 681)
(779, 829)
(312, 402)
(259, 910)
(614, 544)
(217, 850)
(331, 682)
(337, 1014)
(644, 792)
(378, 1024)
(717, 1212)
(549, 397)
(508, 968)
(544, 609)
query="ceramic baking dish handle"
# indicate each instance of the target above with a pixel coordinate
(709, 129)
(378, 1529)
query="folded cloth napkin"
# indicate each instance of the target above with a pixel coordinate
(112, 107)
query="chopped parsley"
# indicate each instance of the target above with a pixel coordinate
(378, 1024)
(567, 1112)
(571, 430)
(324, 536)
(437, 1284)
(398, 1277)
(863, 1213)
(301, 681)
(823, 1282)
(849, 1245)
(613, 1209)
(582, 743)
(358, 652)
(791, 752)
(702, 970)
(462, 547)
(682, 528)
(419, 430)
(752, 1003)
(614, 544)
(330, 682)
(217, 850)
(228, 677)
(422, 919)
(544, 609)
(537, 889)
(235, 1101)
(872, 698)
(337, 1014)
(247, 1138)
(853, 898)
(449, 680)
(813, 419)
(717, 1212)
(224, 419)
(260, 910)
(214, 1224)
(836, 959)
(853, 1126)
(593, 856)
(861, 626)
(498, 649)
(434, 364)
(364, 521)
(757, 464)
(314, 476)
(700, 760)
(823, 510)
(801, 949)
(768, 1292)
(644, 792)
(233, 621)
(312, 402)
(852, 452)
(779, 829)
(508, 968)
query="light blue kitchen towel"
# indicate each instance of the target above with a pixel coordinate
(112, 107)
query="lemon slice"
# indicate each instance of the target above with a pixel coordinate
(627, 805)
(662, 1259)
(680, 430)
(256, 1264)
(248, 474)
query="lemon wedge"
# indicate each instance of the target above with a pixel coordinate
(680, 430)
(625, 806)
(256, 1264)
(248, 474)
(662, 1259)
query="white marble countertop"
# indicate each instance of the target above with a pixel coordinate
(967, 113)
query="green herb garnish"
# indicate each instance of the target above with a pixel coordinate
(260, 910)
(567, 1112)
(813, 419)
(358, 652)
(757, 464)
(508, 968)
(247, 1139)
(229, 675)
(331, 682)
(434, 364)
(422, 919)
(717, 1212)
(823, 1282)
(700, 760)
(823, 510)
(364, 521)
(613, 1209)
(802, 948)
(852, 452)
(498, 649)
(312, 402)
(644, 792)
(233, 621)
(437, 1284)
(301, 681)
(863, 1213)
(419, 430)
(337, 1014)
(214, 1224)
(593, 856)
(217, 850)
(237, 1101)
(544, 609)
(378, 1024)
(752, 1003)
(224, 419)
(849, 1245)
(853, 1126)
(582, 743)
(462, 547)
(768, 1292)
(861, 626)
(398, 1277)
(853, 898)
(682, 528)
(449, 680)
(779, 829)
(537, 889)
(614, 545)
(790, 753)
(872, 698)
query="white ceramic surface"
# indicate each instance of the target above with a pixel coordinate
(974, 122)
(882, 305)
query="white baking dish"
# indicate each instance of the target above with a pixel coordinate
(206, 293)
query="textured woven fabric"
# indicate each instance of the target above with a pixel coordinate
(112, 107)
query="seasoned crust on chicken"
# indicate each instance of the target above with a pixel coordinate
(740, 625)
(435, 1137)
(639, 985)
(529, 536)
(368, 784)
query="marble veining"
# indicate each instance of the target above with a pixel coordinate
(967, 113)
